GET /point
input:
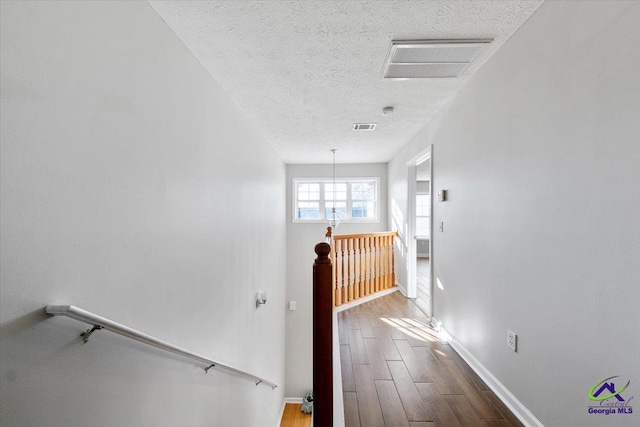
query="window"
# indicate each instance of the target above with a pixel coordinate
(423, 212)
(356, 199)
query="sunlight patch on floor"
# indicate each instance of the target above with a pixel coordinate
(412, 328)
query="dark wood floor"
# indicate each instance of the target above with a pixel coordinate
(396, 372)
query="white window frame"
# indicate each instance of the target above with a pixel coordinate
(427, 217)
(322, 202)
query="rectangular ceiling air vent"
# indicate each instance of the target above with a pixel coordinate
(364, 126)
(426, 59)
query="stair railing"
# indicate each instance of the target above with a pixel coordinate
(363, 264)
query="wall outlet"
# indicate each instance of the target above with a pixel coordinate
(512, 340)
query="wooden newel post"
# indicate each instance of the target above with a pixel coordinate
(322, 337)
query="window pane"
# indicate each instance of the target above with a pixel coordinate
(363, 191)
(340, 191)
(308, 210)
(423, 206)
(363, 210)
(368, 191)
(308, 191)
(341, 209)
(422, 227)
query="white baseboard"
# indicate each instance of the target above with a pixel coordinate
(519, 410)
(402, 289)
(338, 402)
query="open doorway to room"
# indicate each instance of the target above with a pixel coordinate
(420, 248)
(423, 236)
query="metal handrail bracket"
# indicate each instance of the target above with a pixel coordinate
(99, 323)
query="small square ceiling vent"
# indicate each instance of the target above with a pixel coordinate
(426, 59)
(364, 126)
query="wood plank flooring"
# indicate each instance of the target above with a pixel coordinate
(396, 372)
(294, 417)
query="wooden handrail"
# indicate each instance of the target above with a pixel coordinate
(322, 337)
(363, 264)
(361, 235)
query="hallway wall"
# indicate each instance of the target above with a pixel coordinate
(539, 154)
(132, 187)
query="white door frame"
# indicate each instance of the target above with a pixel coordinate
(412, 246)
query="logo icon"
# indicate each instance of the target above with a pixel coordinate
(596, 393)
(606, 397)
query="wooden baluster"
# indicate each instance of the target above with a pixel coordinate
(383, 283)
(354, 268)
(365, 266)
(373, 265)
(389, 257)
(354, 243)
(389, 254)
(348, 273)
(322, 337)
(393, 261)
(360, 275)
(345, 271)
(342, 272)
(336, 268)
(381, 258)
(369, 266)
(380, 266)
(386, 262)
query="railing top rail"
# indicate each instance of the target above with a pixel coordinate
(102, 323)
(361, 235)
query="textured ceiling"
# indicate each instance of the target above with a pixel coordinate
(304, 71)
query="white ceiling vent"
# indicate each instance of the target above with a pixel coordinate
(364, 126)
(425, 59)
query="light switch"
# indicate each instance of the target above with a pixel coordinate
(441, 226)
(442, 195)
(292, 306)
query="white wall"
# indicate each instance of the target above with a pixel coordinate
(301, 239)
(132, 187)
(534, 240)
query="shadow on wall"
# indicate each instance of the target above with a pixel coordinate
(22, 323)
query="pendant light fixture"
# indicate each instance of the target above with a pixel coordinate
(334, 216)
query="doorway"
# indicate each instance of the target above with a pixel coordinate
(420, 256)
(422, 235)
